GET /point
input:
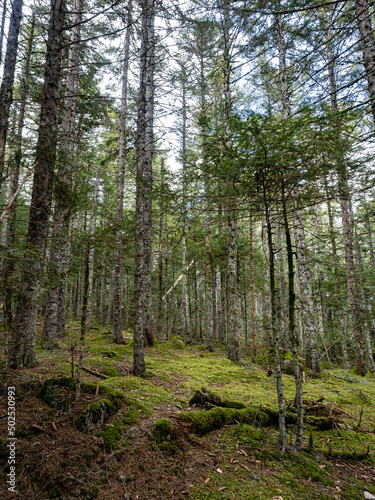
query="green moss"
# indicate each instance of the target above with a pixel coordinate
(163, 430)
(112, 435)
(174, 342)
(130, 416)
(97, 413)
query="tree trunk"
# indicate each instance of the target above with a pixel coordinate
(233, 339)
(11, 235)
(252, 289)
(54, 321)
(143, 328)
(159, 317)
(306, 297)
(2, 29)
(6, 90)
(24, 331)
(291, 332)
(362, 13)
(117, 295)
(344, 346)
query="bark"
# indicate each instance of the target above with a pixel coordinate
(360, 360)
(365, 300)
(54, 321)
(103, 283)
(291, 327)
(369, 233)
(15, 188)
(143, 328)
(362, 13)
(92, 228)
(117, 295)
(24, 332)
(306, 297)
(252, 290)
(159, 317)
(233, 338)
(6, 90)
(344, 346)
(185, 320)
(209, 291)
(275, 340)
(2, 29)
(283, 294)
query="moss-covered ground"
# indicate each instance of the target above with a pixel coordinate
(148, 447)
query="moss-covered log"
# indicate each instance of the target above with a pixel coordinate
(206, 398)
(206, 421)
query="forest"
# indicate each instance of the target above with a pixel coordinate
(187, 262)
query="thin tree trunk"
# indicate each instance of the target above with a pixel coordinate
(117, 295)
(233, 340)
(252, 289)
(6, 90)
(306, 297)
(91, 253)
(143, 328)
(344, 346)
(291, 332)
(24, 332)
(159, 317)
(2, 29)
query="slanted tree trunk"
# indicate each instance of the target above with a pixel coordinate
(6, 90)
(143, 328)
(117, 291)
(22, 350)
(60, 246)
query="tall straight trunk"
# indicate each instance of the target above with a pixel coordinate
(109, 317)
(24, 331)
(338, 304)
(92, 228)
(6, 90)
(306, 297)
(275, 339)
(185, 320)
(209, 290)
(291, 325)
(365, 299)
(363, 16)
(60, 245)
(369, 233)
(159, 317)
(344, 206)
(252, 290)
(283, 294)
(117, 291)
(143, 328)
(103, 284)
(2, 29)
(233, 339)
(11, 226)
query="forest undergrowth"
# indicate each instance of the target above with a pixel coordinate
(133, 438)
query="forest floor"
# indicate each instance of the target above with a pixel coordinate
(134, 455)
